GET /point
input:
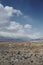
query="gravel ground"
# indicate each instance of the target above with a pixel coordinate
(21, 55)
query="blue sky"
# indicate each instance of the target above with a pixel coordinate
(21, 18)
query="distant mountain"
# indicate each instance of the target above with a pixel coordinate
(14, 39)
(40, 39)
(18, 39)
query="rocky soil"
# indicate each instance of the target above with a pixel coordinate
(21, 53)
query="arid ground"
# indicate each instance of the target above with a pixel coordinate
(21, 53)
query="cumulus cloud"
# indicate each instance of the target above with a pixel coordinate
(20, 35)
(17, 26)
(19, 31)
(6, 12)
(10, 10)
(15, 29)
(14, 26)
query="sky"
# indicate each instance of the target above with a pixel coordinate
(21, 18)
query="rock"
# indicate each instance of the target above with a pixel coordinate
(16, 60)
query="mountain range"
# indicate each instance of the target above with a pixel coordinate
(19, 39)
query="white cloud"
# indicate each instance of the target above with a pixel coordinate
(20, 35)
(14, 26)
(15, 29)
(11, 34)
(27, 26)
(6, 12)
(10, 10)
(19, 31)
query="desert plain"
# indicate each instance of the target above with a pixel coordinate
(21, 53)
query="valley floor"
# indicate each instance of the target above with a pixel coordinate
(21, 53)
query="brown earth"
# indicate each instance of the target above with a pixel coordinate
(24, 53)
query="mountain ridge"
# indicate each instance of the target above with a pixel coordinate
(19, 39)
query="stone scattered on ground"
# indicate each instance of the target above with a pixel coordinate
(21, 53)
